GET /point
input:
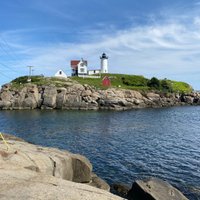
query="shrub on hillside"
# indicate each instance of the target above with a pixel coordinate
(154, 83)
(23, 79)
(134, 80)
(166, 85)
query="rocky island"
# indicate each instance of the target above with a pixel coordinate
(83, 94)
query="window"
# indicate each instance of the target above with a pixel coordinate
(82, 70)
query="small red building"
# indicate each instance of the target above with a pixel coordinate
(106, 81)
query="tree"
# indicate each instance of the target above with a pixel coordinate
(154, 83)
(166, 85)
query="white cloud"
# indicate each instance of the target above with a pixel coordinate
(197, 21)
(169, 50)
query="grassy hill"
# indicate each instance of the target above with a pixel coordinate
(136, 82)
(40, 80)
(133, 82)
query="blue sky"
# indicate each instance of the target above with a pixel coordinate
(145, 37)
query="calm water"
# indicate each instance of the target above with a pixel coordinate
(122, 146)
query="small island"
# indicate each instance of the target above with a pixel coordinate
(122, 92)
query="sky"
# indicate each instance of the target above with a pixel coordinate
(153, 38)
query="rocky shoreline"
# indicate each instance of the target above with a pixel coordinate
(85, 97)
(34, 172)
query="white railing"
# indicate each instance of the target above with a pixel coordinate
(87, 76)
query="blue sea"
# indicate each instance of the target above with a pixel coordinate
(122, 146)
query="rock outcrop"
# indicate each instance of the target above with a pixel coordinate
(49, 161)
(24, 184)
(154, 189)
(34, 172)
(120, 189)
(85, 97)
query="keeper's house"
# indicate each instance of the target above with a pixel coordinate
(79, 67)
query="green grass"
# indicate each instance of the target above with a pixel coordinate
(40, 80)
(135, 82)
(117, 81)
(96, 82)
(181, 87)
(124, 81)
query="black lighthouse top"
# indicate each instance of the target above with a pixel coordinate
(104, 56)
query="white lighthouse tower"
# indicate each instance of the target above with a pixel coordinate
(104, 63)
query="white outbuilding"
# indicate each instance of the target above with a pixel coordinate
(60, 74)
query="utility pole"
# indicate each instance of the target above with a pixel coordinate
(30, 73)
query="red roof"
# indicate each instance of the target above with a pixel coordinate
(106, 78)
(74, 63)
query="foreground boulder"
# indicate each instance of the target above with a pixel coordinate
(120, 189)
(50, 161)
(34, 172)
(154, 189)
(25, 184)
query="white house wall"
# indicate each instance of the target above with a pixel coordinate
(82, 69)
(91, 72)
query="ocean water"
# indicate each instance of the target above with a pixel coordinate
(122, 146)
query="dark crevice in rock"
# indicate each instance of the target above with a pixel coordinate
(54, 166)
(34, 167)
